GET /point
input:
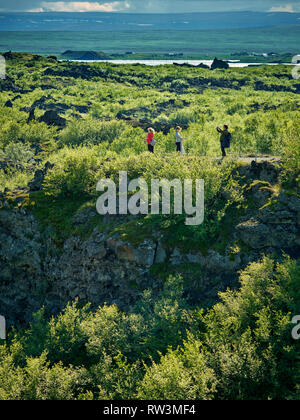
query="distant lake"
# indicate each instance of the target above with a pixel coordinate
(163, 62)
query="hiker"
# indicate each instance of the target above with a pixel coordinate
(150, 139)
(179, 140)
(224, 139)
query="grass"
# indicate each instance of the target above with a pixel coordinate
(59, 214)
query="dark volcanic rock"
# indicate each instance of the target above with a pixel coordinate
(16, 97)
(6, 164)
(76, 70)
(259, 85)
(219, 64)
(8, 84)
(8, 104)
(203, 66)
(57, 107)
(265, 171)
(31, 116)
(52, 118)
(37, 183)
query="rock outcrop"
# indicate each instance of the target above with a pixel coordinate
(8, 104)
(53, 118)
(219, 64)
(35, 270)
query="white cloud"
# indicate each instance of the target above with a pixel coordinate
(288, 8)
(81, 6)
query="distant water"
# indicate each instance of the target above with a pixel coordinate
(97, 21)
(163, 62)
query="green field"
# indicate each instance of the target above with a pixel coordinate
(200, 43)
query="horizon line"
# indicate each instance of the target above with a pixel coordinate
(143, 13)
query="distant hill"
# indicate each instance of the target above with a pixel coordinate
(52, 21)
(84, 55)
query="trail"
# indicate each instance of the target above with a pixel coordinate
(258, 159)
(245, 159)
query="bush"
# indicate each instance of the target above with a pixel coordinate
(181, 375)
(33, 133)
(240, 349)
(37, 380)
(291, 156)
(179, 84)
(74, 173)
(91, 132)
(18, 153)
(249, 333)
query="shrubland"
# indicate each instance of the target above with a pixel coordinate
(164, 346)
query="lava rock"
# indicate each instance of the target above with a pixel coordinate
(53, 118)
(219, 64)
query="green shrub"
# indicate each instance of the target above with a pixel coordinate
(38, 381)
(291, 155)
(74, 173)
(181, 375)
(179, 84)
(91, 132)
(17, 153)
(249, 333)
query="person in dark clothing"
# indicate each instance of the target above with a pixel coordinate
(224, 139)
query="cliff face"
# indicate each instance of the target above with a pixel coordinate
(35, 271)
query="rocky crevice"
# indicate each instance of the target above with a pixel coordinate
(104, 267)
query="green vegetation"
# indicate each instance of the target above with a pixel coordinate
(163, 346)
(163, 349)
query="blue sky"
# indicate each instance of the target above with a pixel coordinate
(150, 6)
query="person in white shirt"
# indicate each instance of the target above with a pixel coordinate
(179, 140)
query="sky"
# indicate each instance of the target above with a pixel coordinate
(150, 6)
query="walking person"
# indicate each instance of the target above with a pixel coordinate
(179, 140)
(224, 139)
(150, 140)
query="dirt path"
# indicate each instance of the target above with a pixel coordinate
(259, 159)
(249, 159)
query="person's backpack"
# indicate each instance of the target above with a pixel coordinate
(227, 141)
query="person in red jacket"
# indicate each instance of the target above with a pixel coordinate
(150, 140)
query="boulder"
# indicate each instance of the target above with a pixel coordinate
(219, 64)
(53, 118)
(8, 104)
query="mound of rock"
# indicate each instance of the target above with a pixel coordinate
(219, 64)
(53, 118)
